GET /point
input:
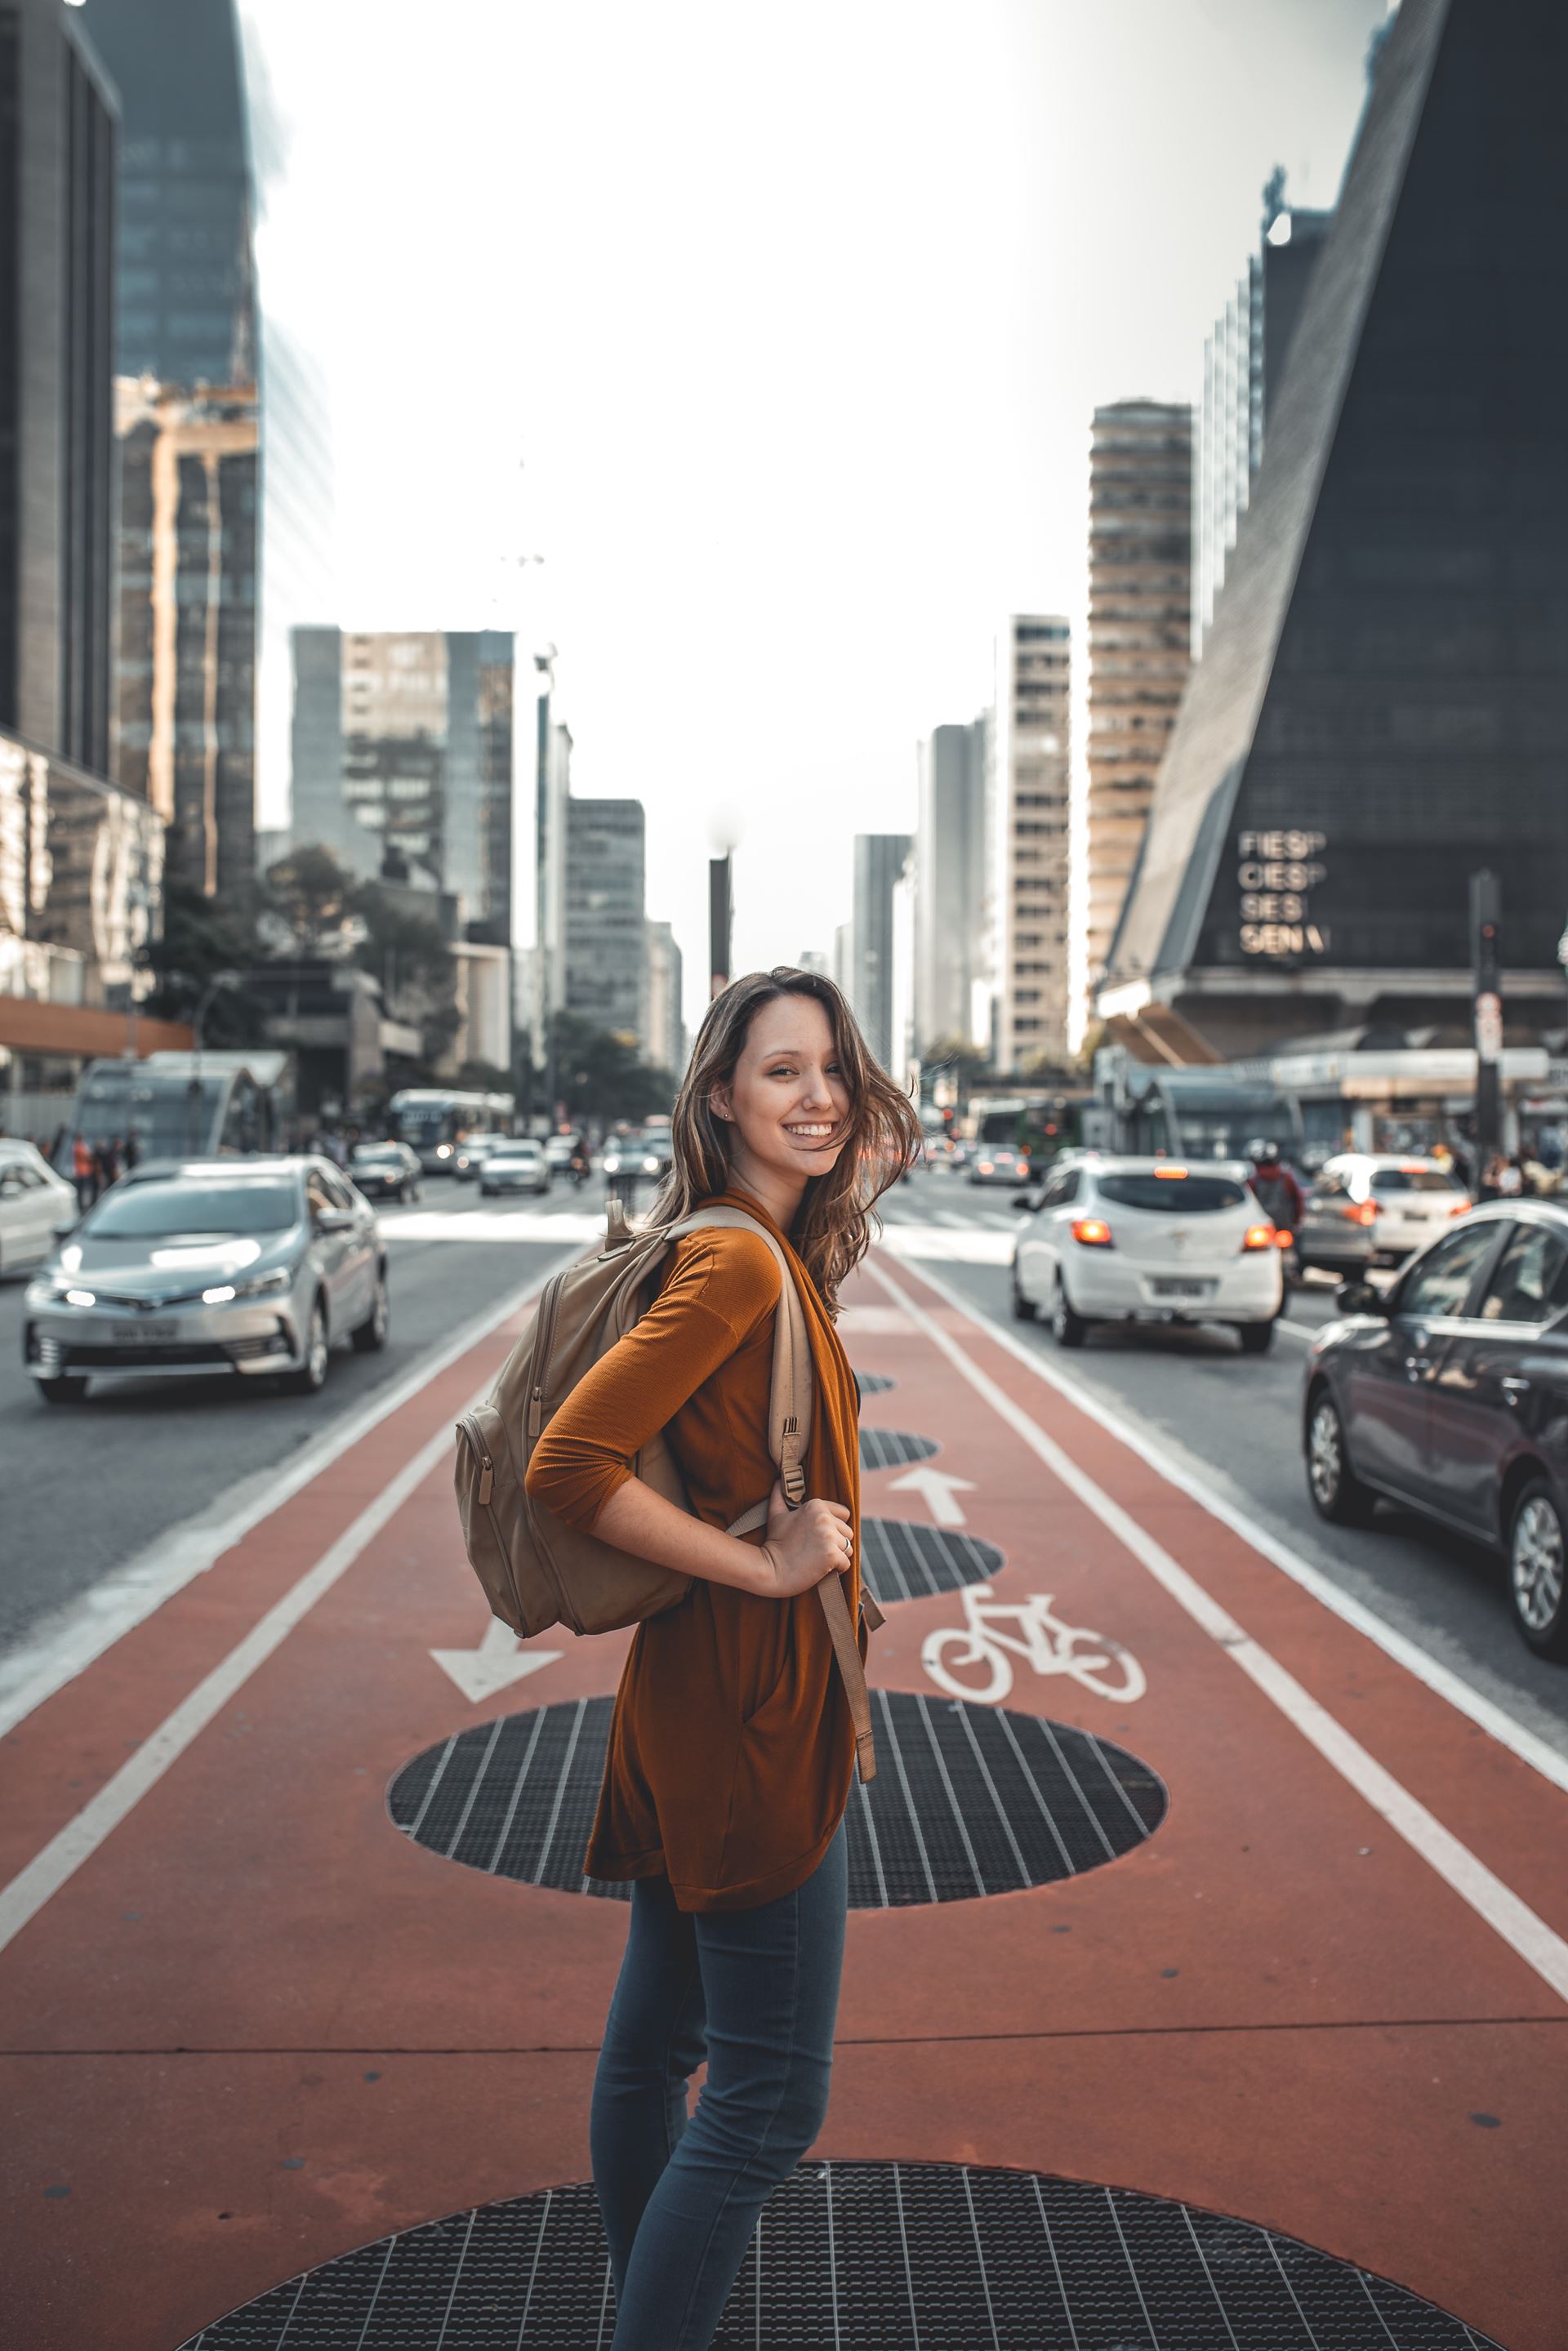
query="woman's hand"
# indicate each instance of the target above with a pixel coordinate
(805, 1545)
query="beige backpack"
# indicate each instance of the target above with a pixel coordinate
(536, 1570)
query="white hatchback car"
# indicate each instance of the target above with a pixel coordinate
(36, 1206)
(1376, 1209)
(1149, 1240)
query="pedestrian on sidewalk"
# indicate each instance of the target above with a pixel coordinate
(732, 1749)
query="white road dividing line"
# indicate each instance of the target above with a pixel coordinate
(1452, 1687)
(27, 1892)
(1494, 1903)
(124, 1598)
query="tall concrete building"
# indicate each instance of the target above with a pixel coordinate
(1031, 839)
(403, 761)
(185, 666)
(1382, 706)
(952, 888)
(1243, 367)
(665, 1044)
(606, 932)
(879, 861)
(1140, 635)
(58, 209)
(551, 848)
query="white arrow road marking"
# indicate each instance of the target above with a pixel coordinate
(495, 1664)
(938, 1488)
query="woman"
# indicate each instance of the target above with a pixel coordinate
(732, 1747)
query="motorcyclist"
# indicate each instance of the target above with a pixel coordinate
(579, 1162)
(1277, 1192)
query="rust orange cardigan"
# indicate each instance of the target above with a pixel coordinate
(732, 1749)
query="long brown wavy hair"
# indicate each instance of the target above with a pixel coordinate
(833, 1228)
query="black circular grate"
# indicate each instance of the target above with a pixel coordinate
(967, 1800)
(902, 1561)
(874, 1382)
(882, 1447)
(865, 2257)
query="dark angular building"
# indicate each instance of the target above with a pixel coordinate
(1382, 706)
(57, 139)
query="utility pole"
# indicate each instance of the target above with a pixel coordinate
(720, 919)
(1486, 902)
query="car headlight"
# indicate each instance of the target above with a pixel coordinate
(612, 1164)
(261, 1285)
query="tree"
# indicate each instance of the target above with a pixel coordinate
(599, 1074)
(312, 892)
(202, 937)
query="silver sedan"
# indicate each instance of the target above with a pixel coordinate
(253, 1265)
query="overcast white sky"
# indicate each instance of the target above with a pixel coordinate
(793, 318)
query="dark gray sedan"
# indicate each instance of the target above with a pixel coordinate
(1449, 1393)
(250, 1266)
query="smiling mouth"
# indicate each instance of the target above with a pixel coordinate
(814, 1133)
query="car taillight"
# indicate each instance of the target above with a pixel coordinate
(1360, 1212)
(1461, 1208)
(1262, 1237)
(1092, 1232)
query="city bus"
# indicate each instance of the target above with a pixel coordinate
(1196, 1113)
(431, 1120)
(1038, 1122)
(183, 1105)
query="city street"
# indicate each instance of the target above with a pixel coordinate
(1171, 1880)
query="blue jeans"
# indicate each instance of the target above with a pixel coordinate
(756, 1993)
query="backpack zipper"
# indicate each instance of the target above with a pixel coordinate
(469, 1428)
(541, 1356)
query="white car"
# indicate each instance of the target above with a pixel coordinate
(1376, 1209)
(1149, 1240)
(35, 1204)
(517, 1166)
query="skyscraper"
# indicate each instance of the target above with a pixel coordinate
(879, 860)
(665, 1045)
(186, 295)
(57, 425)
(606, 941)
(185, 670)
(951, 889)
(402, 760)
(1140, 634)
(1031, 839)
(1243, 366)
(1382, 706)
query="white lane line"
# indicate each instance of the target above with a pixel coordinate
(1493, 1902)
(80, 1839)
(1452, 1687)
(127, 1596)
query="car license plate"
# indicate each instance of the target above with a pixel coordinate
(1182, 1289)
(135, 1331)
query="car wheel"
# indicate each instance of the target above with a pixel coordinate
(371, 1335)
(63, 1391)
(1537, 1582)
(311, 1376)
(1068, 1326)
(1338, 1494)
(1024, 1309)
(1256, 1338)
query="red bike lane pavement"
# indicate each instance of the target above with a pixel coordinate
(251, 2025)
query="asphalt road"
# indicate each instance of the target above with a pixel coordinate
(142, 1464)
(88, 1490)
(1233, 1422)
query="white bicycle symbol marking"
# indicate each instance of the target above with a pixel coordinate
(1050, 1645)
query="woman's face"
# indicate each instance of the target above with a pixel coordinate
(789, 1101)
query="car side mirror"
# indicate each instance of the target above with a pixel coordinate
(63, 1232)
(1026, 1199)
(333, 1220)
(1360, 1297)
